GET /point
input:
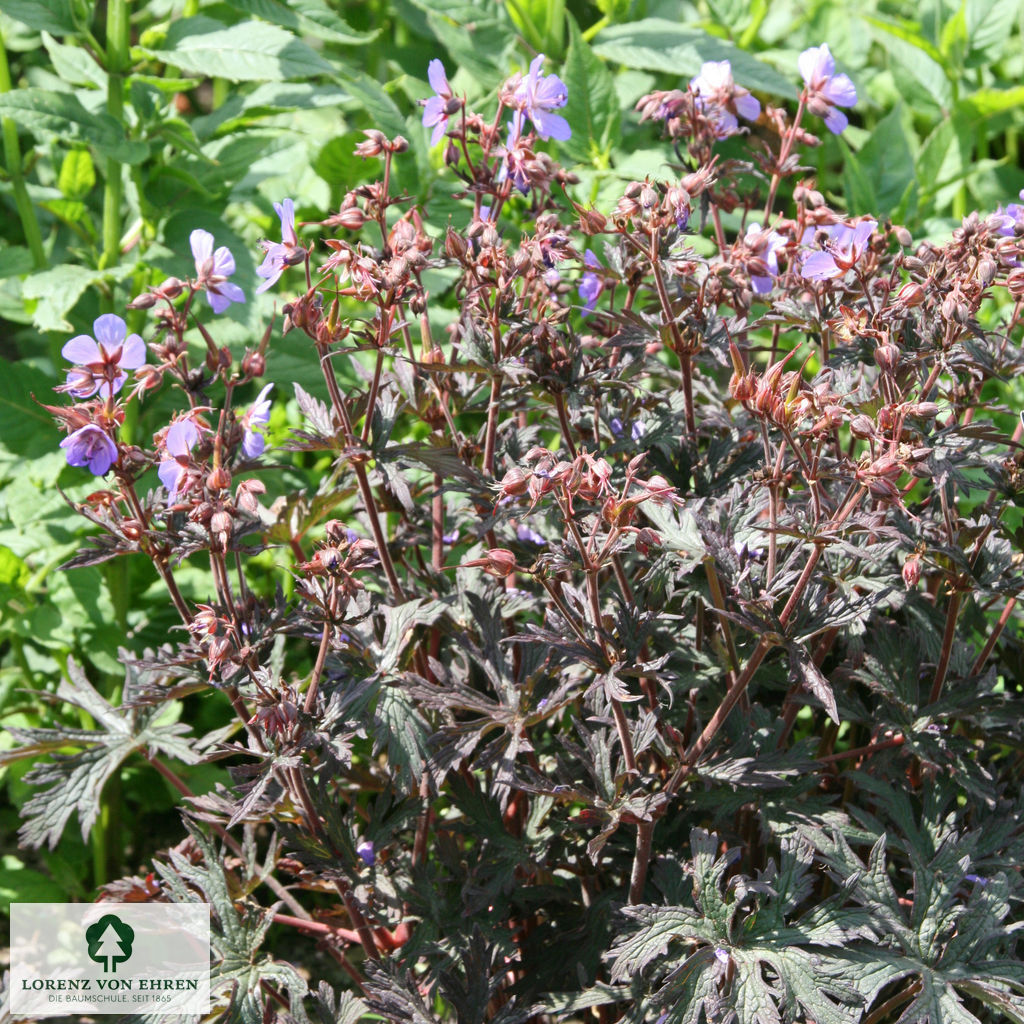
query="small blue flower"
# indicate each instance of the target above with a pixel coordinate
(591, 284)
(213, 270)
(90, 446)
(254, 422)
(537, 95)
(367, 853)
(280, 254)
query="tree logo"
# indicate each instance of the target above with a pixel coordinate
(110, 942)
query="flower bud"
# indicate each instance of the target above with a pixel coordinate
(515, 482)
(862, 426)
(253, 365)
(498, 562)
(986, 271)
(218, 479)
(911, 294)
(147, 300)
(912, 571)
(351, 219)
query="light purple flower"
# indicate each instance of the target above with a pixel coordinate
(825, 89)
(254, 422)
(591, 284)
(1006, 222)
(537, 95)
(103, 360)
(366, 851)
(280, 254)
(528, 536)
(636, 429)
(763, 247)
(213, 270)
(722, 99)
(438, 109)
(845, 246)
(90, 446)
(181, 438)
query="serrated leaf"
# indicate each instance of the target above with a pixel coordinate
(308, 18)
(61, 115)
(59, 288)
(659, 927)
(42, 15)
(252, 51)
(77, 174)
(656, 44)
(916, 56)
(74, 783)
(592, 109)
(74, 64)
(383, 112)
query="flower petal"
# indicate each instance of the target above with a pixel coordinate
(747, 107)
(109, 330)
(133, 353)
(550, 126)
(223, 262)
(840, 91)
(816, 64)
(437, 78)
(202, 245)
(836, 121)
(82, 350)
(819, 266)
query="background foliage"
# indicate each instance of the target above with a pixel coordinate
(127, 125)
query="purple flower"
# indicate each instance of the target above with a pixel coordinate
(182, 436)
(722, 99)
(844, 248)
(437, 109)
(102, 361)
(90, 446)
(976, 879)
(763, 247)
(591, 285)
(528, 536)
(213, 270)
(366, 851)
(280, 254)
(254, 422)
(636, 429)
(536, 96)
(825, 89)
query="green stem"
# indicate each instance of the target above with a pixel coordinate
(118, 58)
(12, 160)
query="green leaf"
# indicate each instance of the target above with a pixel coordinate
(74, 783)
(74, 64)
(945, 156)
(478, 38)
(990, 26)
(17, 261)
(593, 106)
(42, 15)
(308, 18)
(19, 884)
(48, 114)
(656, 44)
(911, 54)
(251, 51)
(77, 174)
(59, 288)
(983, 103)
(885, 168)
(383, 112)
